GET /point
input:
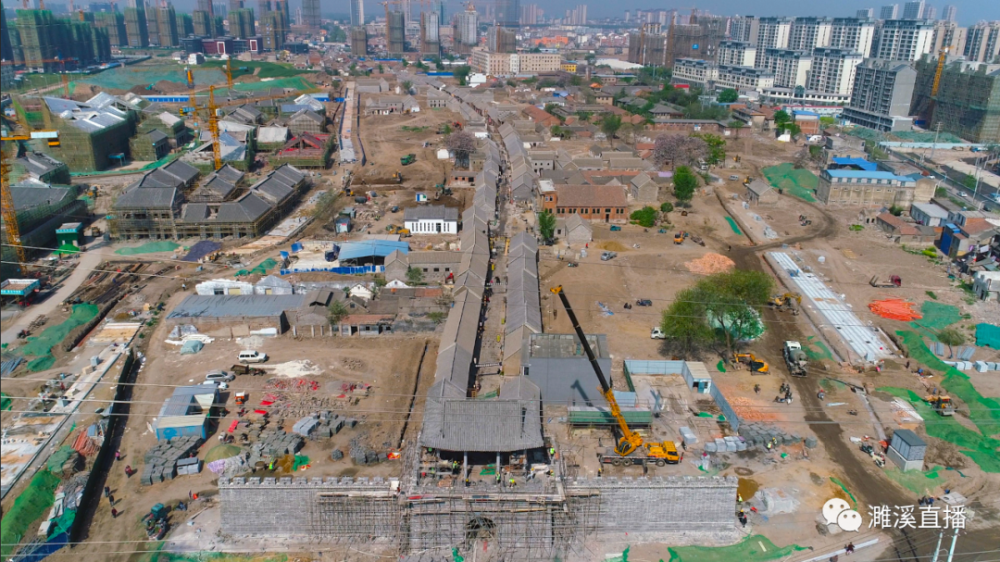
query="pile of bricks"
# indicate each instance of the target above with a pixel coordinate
(364, 455)
(272, 444)
(760, 434)
(161, 460)
(322, 425)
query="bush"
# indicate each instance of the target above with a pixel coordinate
(666, 207)
(645, 217)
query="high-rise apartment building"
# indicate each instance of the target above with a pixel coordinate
(241, 23)
(806, 34)
(772, 33)
(948, 35)
(359, 41)
(508, 13)
(881, 95)
(273, 25)
(865, 13)
(185, 25)
(914, 10)
(153, 26)
(311, 16)
(967, 103)
(396, 33)
(889, 12)
(466, 29)
(982, 43)
(790, 68)
(501, 40)
(833, 70)
(647, 47)
(6, 51)
(576, 16)
(930, 13)
(905, 40)
(135, 24)
(166, 20)
(853, 34)
(430, 39)
(357, 12)
(745, 29)
(203, 25)
(736, 53)
(950, 13)
(113, 23)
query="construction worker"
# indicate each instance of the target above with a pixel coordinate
(513, 483)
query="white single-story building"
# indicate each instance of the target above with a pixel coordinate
(443, 154)
(436, 219)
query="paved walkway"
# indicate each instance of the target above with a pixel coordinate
(88, 261)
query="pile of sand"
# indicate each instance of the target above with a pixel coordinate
(709, 264)
(296, 369)
(612, 246)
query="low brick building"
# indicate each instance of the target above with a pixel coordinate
(606, 203)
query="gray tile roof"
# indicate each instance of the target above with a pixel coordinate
(38, 164)
(432, 212)
(248, 208)
(143, 198)
(30, 197)
(156, 136)
(226, 306)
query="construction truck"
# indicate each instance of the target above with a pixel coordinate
(393, 229)
(679, 238)
(630, 449)
(795, 359)
(941, 404)
(788, 301)
(408, 159)
(894, 282)
(750, 360)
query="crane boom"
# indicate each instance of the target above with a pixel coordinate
(630, 441)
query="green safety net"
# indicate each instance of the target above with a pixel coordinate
(755, 548)
(937, 317)
(837, 481)
(41, 346)
(734, 226)
(799, 183)
(988, 335)
(815, 349)
(5, 402)
(149, 248)
(31, 505)
(300, 461)
(916, 481)
(262, 268)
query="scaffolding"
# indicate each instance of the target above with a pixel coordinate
(967, 102)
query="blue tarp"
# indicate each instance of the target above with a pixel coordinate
(200, 250)
(371, 248)
(191, 347)
(859, 162)
(365, 270)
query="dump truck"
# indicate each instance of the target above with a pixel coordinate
(630, 448)
(408, 159)
(795, 358)
(750, 360)
(941, 404)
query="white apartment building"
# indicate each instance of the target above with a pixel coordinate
(743, 78)
(948, 35)
(790, 68)
(807, 34)
(905, 40)
(695, 71)
(853, 34)
(833, 71)
(772, 33)
(509, 64)
(736, 53)
(744, 28)
(889, 12)
(982, 44)
(809, 100)
(914, 10)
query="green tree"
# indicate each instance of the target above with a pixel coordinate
(610, 125)
(406, 63)
(950, 336)
(336, 312)
(575, 80)
(666, 207)
(381, 69)
(462, 74)
(685, 183)
(547, 226)
(684, 325)
(736, 124)
(728, 95)
(406, 86)
(645, 217)
(732, 299)
(969, 181)
(551, 108)
(414, 276)
(781, 116)
(716, 148)
(827, 121)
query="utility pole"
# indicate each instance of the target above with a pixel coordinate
(954, 539)
(937, 549)
(934, 146)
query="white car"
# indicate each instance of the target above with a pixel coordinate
(218, 384)
(657, 334)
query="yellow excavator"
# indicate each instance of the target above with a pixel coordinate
(788, 301)
(756, 365)
(630, 448)
(941, 404)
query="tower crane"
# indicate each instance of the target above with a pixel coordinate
(7, 203)
(213, 127)
(936, 84)
(628, 440)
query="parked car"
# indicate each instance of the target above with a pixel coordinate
(219, 375)
(643, 302)
(218, 384)
(657, 334)
(605, 256)
(252, 356)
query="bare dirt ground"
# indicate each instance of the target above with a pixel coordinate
(385, 142)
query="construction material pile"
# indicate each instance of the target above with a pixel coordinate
(296, 369)
(272, 444)
(760, 434)
(710, 264)
(322, 425)
(895, 309)
(365, 455)
(161, 460)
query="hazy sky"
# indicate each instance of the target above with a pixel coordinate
(969, 11)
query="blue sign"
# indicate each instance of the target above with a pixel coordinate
(694, 47)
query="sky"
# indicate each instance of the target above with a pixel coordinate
(969, 11)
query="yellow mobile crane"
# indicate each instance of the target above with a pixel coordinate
(630, 449)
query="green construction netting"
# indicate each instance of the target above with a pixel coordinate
(300, 461)
(988, 335)
(916, 481)
(41, 346)
(149, 248)
(115, 171)
(836, 481)
(800, 183)
(820, 352)
(68, 249)
(59, 458)
(734, 226)
(5, 401)
(917, 136)
(264, 267)
(33, 503)
(126, 78)
(159, 556)
(937, 316)
(721, 366)
(755, 548)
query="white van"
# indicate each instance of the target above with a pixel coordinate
(252, 356)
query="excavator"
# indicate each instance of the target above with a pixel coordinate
(630, 448)
(941, 404)
(751, 361)
(788, 301)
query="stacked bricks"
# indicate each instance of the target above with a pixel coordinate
(161, 460)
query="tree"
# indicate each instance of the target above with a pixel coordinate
(678, 149)
(781, 116)
(462, 74)
(684, 325)
(414, 276)
(716, 148)
(685, 183)
(666, 207)
(406, 63)
(547, 226)
(381, 69)
(950, 336)
(645, 217)
(462, 144)
(610, 125)
(407, 85)
(728, 95)
(575, 80)
(336, 312)
(551, 108)
(736, 124)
